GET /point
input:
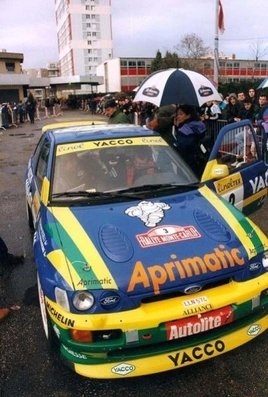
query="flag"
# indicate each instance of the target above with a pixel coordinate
(221, 18)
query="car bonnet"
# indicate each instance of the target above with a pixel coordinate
(152, 245)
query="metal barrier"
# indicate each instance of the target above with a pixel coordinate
(213, 128)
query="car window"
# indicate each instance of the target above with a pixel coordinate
(113, 168)
(42, 161)
(237, 148)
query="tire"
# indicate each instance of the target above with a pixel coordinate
(52, 340)
(29, 217)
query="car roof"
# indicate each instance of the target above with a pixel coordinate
(74, 123)
(100, 131)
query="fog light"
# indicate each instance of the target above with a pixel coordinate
(81, 336)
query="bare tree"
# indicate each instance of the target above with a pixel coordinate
(192, 46)
(258, 50)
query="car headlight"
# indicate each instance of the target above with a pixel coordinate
(83, 300)
(265, 260)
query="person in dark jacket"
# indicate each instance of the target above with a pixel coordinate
(31, 107)
(114, 113)
(248, 110)
(189, 131)
(163, 122)
(233, 109)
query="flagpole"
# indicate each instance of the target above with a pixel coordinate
(216, 46)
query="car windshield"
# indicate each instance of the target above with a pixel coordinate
(81, 169)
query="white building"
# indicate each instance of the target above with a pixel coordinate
(84, 34)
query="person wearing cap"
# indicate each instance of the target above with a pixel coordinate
(114, 113)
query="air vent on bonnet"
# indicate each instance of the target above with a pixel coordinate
(115, 243)
(211, 226)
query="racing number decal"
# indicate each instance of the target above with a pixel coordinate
(232, 189)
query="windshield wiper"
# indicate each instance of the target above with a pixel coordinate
(130, 192)
(160, 186)
(96, 195)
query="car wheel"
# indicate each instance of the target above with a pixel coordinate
(29, 217)
(52, 340)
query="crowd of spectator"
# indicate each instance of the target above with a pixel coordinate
(29, 110)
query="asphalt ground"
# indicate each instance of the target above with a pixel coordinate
(26, 367)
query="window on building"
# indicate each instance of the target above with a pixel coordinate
(263, 66)
(123, 63)
(256, 65)
(10, 66)
(236, 65)
(207, 65)
(141, 64)
(229, 65)
(132, 64)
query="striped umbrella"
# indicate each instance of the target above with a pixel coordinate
(264, 84)
(177, 86)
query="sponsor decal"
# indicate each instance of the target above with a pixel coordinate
(155, 276)
(151, 92)
(73, 353)
(62, 319)
(148, 212)
(167, 234)
(197, 353)
(205, 91)
(56, 330)
(254, 330)
(198, 324)
(259, 183)
(195, 301)
(227, 184)
(90, 282)
(42, 239)
(198, 309)
(69, 148)
(123, 369)
(113, 142)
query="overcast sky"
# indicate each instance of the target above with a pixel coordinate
(140, 27)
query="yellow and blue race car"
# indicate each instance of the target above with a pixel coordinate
(141, 266)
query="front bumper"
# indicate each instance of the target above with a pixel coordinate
(174, 359)
(134, 354)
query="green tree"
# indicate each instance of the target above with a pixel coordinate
(157, 62)
(169, 60)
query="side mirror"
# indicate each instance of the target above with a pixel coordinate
(219, 171)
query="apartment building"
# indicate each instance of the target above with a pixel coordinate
(84, 35)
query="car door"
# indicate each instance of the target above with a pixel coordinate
(236, 169)
(37, 171)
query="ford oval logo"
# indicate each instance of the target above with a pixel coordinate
(110, 300)
(253, 267)
(192, 289)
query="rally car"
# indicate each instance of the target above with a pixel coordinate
(141, 266)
